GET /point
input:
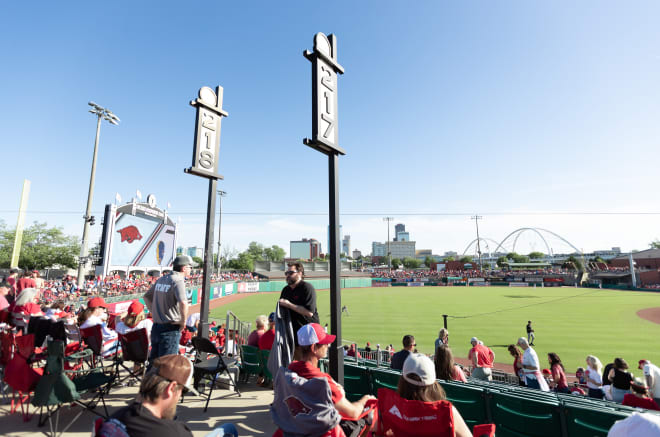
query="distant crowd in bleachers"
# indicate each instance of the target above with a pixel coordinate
(471, 273)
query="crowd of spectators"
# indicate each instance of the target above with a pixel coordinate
(412, 275)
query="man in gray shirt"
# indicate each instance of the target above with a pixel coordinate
(168, 304)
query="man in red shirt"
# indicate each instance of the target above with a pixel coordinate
(482, 358)
(25, 282)
(314, 343)
(266, 340)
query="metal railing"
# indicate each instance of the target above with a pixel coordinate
(237, 332)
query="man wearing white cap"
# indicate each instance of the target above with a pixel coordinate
(314, 343)
(482, 358)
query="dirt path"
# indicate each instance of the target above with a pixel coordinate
(650, 314)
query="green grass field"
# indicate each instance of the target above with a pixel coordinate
(573, 322)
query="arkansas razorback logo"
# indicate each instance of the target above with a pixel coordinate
(296, 407)
(130, 234)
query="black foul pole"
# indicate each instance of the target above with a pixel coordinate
(325, 69)
(206, 152)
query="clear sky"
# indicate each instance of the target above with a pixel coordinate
(516, 111)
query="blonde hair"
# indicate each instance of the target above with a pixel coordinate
(132, 320)
(261, 322)
(594, 362)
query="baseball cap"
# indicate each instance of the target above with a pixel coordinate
(640, 365)
(183, 260)
(313, 333)
(5, 284)
(271, 317)
(176, 368)
(96, 302)
(420, 365)
(136, 307)
(473, 339)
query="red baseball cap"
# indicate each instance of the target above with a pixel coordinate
(96, 302)
(313, 333)
(641, 363)
(136, 307)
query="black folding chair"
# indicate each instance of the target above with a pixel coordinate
(135, 348)
(214, 364)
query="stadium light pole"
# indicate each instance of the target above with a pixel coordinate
(221, 194)
(389, 254)
(101, 114)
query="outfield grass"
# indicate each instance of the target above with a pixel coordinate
(573, 322)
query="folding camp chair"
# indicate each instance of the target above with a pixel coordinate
(135, 348)
(20, 375)
(56, 389)
(6, 353)
(20, 321)
(93, 338)
(405, 418)
(250, 361)
(213, 365)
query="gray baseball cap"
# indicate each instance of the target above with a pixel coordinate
(183, 260)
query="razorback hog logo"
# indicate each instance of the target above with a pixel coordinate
(130, 234)
(296, 407)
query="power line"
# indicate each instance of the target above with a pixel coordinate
(408, 213)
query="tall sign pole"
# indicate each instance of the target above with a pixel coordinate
(325, 69)
(206, 152)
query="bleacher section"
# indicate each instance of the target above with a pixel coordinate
(516, 411)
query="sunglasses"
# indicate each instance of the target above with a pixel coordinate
(290, 272)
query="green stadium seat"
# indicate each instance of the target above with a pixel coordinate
(587, 420)
(516, 415)
(469, 400)
(357, 381)
(384, 378)
(250, 364)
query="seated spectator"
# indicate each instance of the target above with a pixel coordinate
(367, 348)
(558, 375)
(26, 303)
(266, 340)
(640, 396)
(5, 288)
(95, 314)
(400, 357)
(192, 322)
(134, 319)
(418, 383)
(56, 311)
(314, 343)
(260, 324)
(620, 379)
(353, 352)
(445, 368)
(580, 375)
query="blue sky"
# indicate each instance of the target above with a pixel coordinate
(513, 110)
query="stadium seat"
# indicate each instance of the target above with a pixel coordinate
(524, 416)
(250, 364)
(469, 400)
(357, 381)
(583, 419)
(384, 378)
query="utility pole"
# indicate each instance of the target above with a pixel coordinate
(476, 219)
(221, 194)
(389, 253)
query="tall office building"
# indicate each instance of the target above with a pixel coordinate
(399, 227)
(307, 248)
(346, 245)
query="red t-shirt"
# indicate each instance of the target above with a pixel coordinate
(559, 376)
(253, 338)
(484, 355)
(24, 283)
(266, 340)
(28, 308)
(633, 401)
(306, 370)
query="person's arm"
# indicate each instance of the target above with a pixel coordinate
(352, 409)
(475, 358)
(148, 298)
(610, 376)
(183, 309)
(460, 428)
(297, 308)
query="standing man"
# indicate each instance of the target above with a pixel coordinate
(531, 366)
(530, 333)
(482, 358)
(25, 282)
(168, 304)
(11, 279)
(299, 297)
(652, 376)
(400, 357)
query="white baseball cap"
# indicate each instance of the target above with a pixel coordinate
(313, 333)
(420, 365)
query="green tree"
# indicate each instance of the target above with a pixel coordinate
(274, 253)
(536, 255)
(655, 244)
(465, 259)
(573, 262)
(449, 258)
(502, 261)
(199, 261)
(42, 247)
(242, 262)
(411, 263)
(428, 261)
(396, 263)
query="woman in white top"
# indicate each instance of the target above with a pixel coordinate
(134, 319)
(95, 315)
(594, 379)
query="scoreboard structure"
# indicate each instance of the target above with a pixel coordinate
(137, 237)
